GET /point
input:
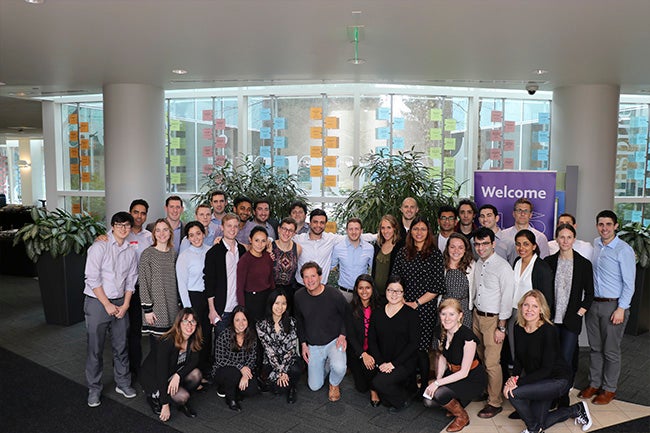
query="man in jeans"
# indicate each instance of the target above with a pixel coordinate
(111, 274)
(320, 311)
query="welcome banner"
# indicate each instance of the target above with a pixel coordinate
(503, 188)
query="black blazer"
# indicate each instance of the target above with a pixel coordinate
(581, 283)
(355, 331)
(161, 364)
(542, 280)
(215, 275)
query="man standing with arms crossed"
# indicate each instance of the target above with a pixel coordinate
(614, 273)
(493, 291)
(353, 256)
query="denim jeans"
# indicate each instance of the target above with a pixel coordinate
(316, 368)
(532, 401)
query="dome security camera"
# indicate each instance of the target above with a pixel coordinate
(532, 87)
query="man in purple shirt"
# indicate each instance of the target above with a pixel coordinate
(111, 274)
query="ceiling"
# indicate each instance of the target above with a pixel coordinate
(75, 46)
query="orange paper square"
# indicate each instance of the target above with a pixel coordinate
(83, 127)
(316, 171)
(330, 161)
(316, 151)
(316, 113)
(330, 180)
(332, 142)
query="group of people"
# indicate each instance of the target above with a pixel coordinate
(234, 301)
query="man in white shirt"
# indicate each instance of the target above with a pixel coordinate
(585, 249)
(523, 211)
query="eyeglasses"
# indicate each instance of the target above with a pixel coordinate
(188, 322)
(522, 211)
(287, 230)
(394, 291)
(482, 244)
(447, 218)
(122, 225)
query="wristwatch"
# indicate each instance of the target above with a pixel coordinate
(502, 329)
(417, 302)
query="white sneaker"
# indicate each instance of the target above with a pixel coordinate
(126, 391)
(584, 417)
(94, 399)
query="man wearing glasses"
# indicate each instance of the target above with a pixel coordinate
(493, 292)
(111, 274)
(523, 211)
(447, 216)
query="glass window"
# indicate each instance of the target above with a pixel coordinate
(95, 206)
(10, 183)
(83, 142)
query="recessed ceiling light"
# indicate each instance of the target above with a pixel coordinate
(179, 71)
(540, 71)
(35, 2)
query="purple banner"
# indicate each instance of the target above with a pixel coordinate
(503, 188)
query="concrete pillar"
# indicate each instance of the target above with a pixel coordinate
(134, 132)
(584, 133)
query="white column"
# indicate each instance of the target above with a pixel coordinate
(584, 133)
(134, 146)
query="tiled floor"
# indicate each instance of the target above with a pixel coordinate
(62, 349)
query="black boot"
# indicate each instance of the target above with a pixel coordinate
(187, 411)
(154, 403)
(291, 395)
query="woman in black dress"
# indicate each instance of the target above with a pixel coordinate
(235, 354)
(420, 267)
(540, 374)
(393, 338)
(460, 375)
(362, 365)
(170, 372)
(277, 333)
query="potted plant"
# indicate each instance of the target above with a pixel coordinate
(57, 242)
(638, 237)
(250, 177)
(387, 180)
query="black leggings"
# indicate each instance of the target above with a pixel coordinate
(441, 397)
(188, 384)
(423, 366)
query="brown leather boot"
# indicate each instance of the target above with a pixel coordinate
(462, 419)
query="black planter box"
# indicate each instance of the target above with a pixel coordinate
(61, 281)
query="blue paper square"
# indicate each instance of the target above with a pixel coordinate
(544, 118)
(382, 133)
(265, 132)
(279, 142)
(398, 123)
(265, 151)
(279, 123)
(398, 143)
(265, 114)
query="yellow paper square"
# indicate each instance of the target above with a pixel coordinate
(73, 119)
(316, 151)
(316, 132)
(316, 113)
(316, 171)
(330, 161)
(330, 180)
(435, 133)
(450, 144)
(435, 114)
(332, 142)
(332, 122)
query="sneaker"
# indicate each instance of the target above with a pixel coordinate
(94, 398)
(126, 391)
(221, 393)
(584, 417)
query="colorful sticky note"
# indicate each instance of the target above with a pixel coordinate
(76, 208)
(220, 124)
(207, 115)
(450, 124)
(220, 160)
(265, 133)
(332, 122)
(220, 142)
(383, 113)
(509, 163)
(85, 160)
(435, 114)
(450, 162)
(329, 181)
(316, 113)
(316, 171)
(206, 151)
(398, 143)
(398, 123)
(74, 136)
(435, 133)
(450, 144)
(316, 132)
(543, 136)
(279, 142)
(508, 126)
(435, 153)
(207, 133)
(330, 161)
(175, 178)
(496, 116)
(495, 154)
(509, 145)
(382, 133)
(331, 142)
(85, 177)
(73, 119)
(637, 215)
(265, 114)
(84, 144)
(495, 135)
(544, 118)
(74, 168)
(315, 151)
(83, 127)
(74, 152)
(280, 161)
(279, 123)
(206, 169)
(330, 227)
(265, 151)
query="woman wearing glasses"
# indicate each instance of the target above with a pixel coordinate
(170, 373)
(393, 338)
(285, 259)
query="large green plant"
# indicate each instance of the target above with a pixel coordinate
(250, 177)
(638, 237)
(58, 233)
(388, 180)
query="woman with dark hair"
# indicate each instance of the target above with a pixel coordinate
(235, 354)
(574, 293)
(191, 288)
(277, 333)
(157, 279)
(420, 267)
(285, 259)
(393, 338)
(169, 373)
(386, 248)
(460, 376)
(459, 274)
(255, 275)
(362, 365)
(540, 373)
